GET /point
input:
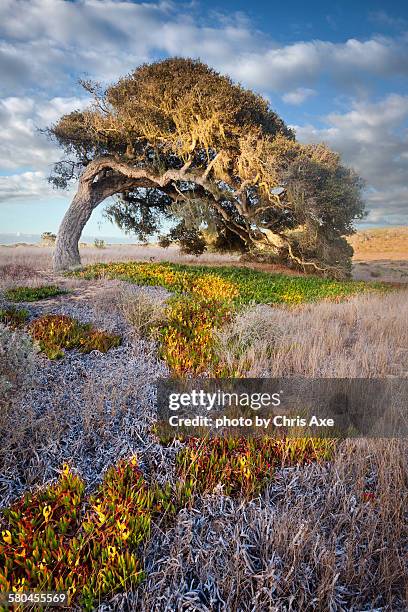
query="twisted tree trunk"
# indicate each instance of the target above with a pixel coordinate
(103, 177)
(106, 176)
(66, 254)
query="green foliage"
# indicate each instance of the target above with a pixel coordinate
(32, 294)
(187, 338)
(140, 212)
(253, 286)
(14, 317)
(164, 241)
(54, 333)
(206, 148)
(243, 466)
(99, 244)
(227, 241)
(97, 340)
(190, 240)
(58, 538)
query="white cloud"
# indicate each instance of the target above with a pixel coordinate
(26, 185)
(46, 44)
(46, 40)
(372, 139)
(21, 144)
(302, 63)
(298, 96)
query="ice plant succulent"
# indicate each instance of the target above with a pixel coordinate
(205, 299)
(56, 333)
(242, 285)
(56, 539)
(14, 317)
(32, 294)
(243, 466)
(187, 339)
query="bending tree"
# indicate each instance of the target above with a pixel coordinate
(175, 139)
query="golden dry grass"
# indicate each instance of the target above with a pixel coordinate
(381, 254)
(322, 537)
(40, 258)
(381, 243)
(365, 336)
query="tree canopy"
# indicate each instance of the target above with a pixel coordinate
(176, 140)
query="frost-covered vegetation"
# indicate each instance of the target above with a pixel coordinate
(96, 503)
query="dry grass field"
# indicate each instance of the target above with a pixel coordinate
(378, 253)
(325, 531)
(381, 243)
(381, 253)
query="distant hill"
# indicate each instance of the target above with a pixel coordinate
(381, 243)
(36, 239)
(14, 238)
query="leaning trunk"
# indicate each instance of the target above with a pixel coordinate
(66, 254)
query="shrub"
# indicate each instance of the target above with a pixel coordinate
(54, 333)
(17, 357)
(164, 242)
(251, 336)
(14, 317)
(143, 311)
(187, 339)
(48, 238)
(99, 244)
(32, 294)
(190, 240)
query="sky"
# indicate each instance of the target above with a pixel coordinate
(337, 72)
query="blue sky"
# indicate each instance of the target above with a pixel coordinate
(336, 72)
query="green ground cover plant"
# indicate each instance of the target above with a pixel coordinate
(206, 298)
(58, 538)
(33, 294)
(14, 317)
(187, 339)
(252, 286)
(243, 466)
(56, 333)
